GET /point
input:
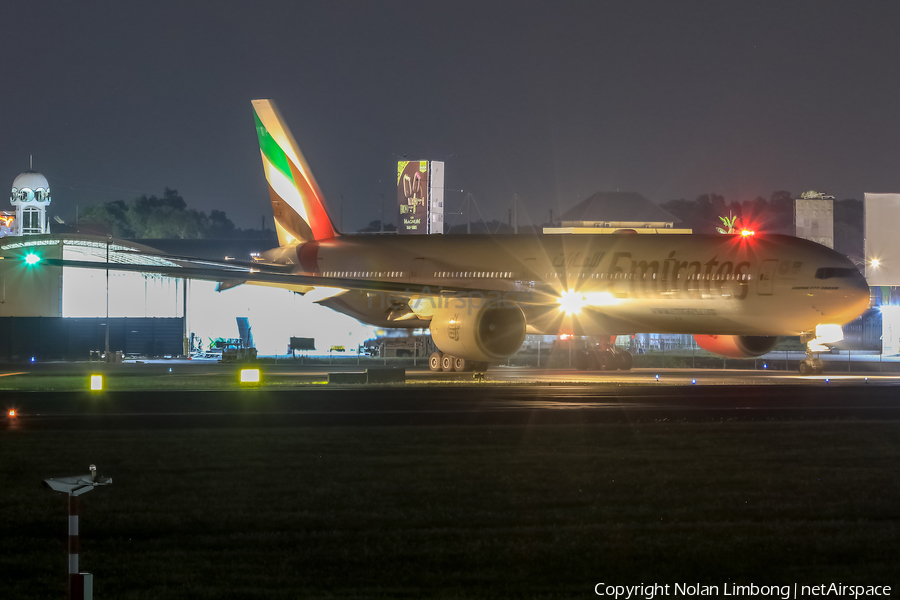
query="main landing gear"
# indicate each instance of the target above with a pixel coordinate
(439, 361)
(605, 360)
(602, 354)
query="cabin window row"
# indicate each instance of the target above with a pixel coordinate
(388, 274)
(489, 274)
(644, 276)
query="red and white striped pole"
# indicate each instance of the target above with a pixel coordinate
(76, 588)
(80, 585)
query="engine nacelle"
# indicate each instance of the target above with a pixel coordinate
(737, 346)
(477, 331)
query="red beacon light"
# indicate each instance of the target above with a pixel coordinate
(747, 233)
(12, 413)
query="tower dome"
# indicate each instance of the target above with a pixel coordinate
(30, 186)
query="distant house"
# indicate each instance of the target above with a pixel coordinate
(610, 212)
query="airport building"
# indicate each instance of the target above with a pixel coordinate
(61, 312)
(882, 213)
(612, 212)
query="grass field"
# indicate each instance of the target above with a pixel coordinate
(451, 512)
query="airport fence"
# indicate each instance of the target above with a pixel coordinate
(779, 360)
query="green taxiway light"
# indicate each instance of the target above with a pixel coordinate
(31, 258)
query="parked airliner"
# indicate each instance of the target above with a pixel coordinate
(480, 295)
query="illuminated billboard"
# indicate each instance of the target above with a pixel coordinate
(7, 223)
(420, 196)
(882, 254)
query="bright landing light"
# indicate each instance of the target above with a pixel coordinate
(875, 262)
(572, 302)
(825, 334)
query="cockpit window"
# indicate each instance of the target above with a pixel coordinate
(829, 272)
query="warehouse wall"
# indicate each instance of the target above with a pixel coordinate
(56, 338)
(31, 291)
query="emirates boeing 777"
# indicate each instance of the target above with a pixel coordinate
(480, 295)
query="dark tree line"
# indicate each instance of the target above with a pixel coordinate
(152, 217)
(775, 215)
(375, 227)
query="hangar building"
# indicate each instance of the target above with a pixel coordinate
(54, 313)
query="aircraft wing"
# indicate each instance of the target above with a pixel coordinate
(279, 275)
(226, 262)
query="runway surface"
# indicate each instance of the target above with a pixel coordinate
(541, 397)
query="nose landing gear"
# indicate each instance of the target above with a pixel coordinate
(811, 365)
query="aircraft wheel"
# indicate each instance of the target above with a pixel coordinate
(624, 360)
(605, 361)
(818, 366)
(434, 361)
(461, 364)
(446, 363)
(805, 367)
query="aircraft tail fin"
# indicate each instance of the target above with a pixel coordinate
(297, 201)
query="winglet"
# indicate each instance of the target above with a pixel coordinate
(297, 201)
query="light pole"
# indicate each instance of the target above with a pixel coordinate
(106, 351)
(80, 585)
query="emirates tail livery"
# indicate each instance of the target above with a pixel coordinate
(480, 295)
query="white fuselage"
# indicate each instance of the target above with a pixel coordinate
(622, 283)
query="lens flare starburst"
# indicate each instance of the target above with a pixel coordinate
(571, 302)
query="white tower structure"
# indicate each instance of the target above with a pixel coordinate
(814, 218)
(31, 197)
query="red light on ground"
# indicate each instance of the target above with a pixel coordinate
(747, 232)
(12, 413)
(563, 336)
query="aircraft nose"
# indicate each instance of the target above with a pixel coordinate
(857, 296)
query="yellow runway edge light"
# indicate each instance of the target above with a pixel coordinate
(249, 375)
(96, 382)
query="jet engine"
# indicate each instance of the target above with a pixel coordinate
(478, 332)
(737, 346)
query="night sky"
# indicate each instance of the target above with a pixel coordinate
(552, 101)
